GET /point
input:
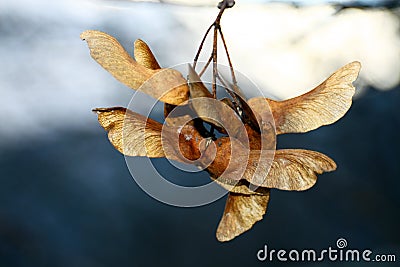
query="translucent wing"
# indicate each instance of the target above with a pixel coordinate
(323, 105)
(291, 169)
(207, 111)
(285, 169)
(240, 214)
(247, 113)
(134, 135)
(166, 85)
(131, 133)
(144, 56)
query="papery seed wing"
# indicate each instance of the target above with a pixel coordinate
(166, 85)
(240, 214)
(134, 135)
(323, 105)
(248, 115)
(291, 169)
(197, 88)
(144, 56)
(110, 54)
(213, 111)
(131, 133)
(206, 110)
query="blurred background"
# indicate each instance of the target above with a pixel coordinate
(66, 195)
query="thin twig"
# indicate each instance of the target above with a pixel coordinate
(215, 62)
(214, 56)
(206, 66)
(196, 58)
(222, 5)
(234, 81)
(216, 25)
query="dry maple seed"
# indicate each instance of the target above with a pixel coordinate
(261, 167)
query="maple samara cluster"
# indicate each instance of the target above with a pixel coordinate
(242, 159)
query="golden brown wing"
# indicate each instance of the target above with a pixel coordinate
(166, 85)
(206, 107)
(291, 169)
(323, 105)
(240, 214)
(131, 133)
(144, 56)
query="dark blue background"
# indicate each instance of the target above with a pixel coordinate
(70, 201)
(67, 199)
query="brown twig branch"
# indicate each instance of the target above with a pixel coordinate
(223, 5)
(216, 25)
